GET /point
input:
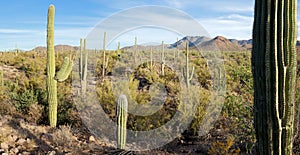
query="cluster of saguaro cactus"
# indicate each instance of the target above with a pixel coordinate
(186, 71)
(121, 111)
(83, 66)
(274, 73)
(104, 59)
(51, 78)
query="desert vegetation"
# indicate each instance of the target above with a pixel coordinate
(40, 116)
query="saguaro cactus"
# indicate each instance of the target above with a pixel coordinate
(118, 48)
(104, 60)
(163, 60)
(122, 106)
(274, 72)
(83, 66)
(61, 75)
(1, 77)
(186, 72)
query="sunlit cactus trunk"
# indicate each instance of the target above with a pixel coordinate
(122, 106)
(274, 72)
(61, 75)
(83, 67)
(103, 61)
(51, 82)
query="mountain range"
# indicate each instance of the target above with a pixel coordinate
(203, 43)
(200, 42)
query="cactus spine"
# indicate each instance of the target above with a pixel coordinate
(274, 72)
(122, 106)
(51, 78)
(186, 72)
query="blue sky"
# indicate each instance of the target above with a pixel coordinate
(23, 22)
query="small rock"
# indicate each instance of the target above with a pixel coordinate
(92, 139)
(13, 138)
(25, 153)
(4, 154)
(21, 141)
(4, 146)
(2, 150)
(14, 150)
(51, 153)
(28, 140)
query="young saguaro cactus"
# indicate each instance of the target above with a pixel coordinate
(186, 72)
(274, 72)
(121, 110)
(60, 76)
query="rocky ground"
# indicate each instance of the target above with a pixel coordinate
(20, 137)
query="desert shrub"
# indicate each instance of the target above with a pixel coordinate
(224, 148)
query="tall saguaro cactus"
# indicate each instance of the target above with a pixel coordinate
(60, 76)
(186, 72)
(122, 106)
(104, 60)
(83, 66)
(274, 72)
(163, 60)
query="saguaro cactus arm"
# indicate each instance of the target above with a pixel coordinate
(65, 70)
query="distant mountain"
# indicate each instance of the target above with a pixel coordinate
(220, 43)
(57, 48)
(203, 43)
(193, 41)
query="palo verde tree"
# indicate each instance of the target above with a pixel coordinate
(274, 72)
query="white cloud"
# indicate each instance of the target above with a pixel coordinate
(144, 17)
(16, 31)
(231, 26)
(231, 6)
